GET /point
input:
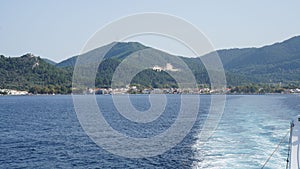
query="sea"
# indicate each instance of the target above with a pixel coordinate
(45, 132)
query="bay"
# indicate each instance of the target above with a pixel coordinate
(44, 132)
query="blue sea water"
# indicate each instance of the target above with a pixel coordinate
(44, 132)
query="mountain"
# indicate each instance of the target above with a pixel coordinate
(278, 63)
(274, 63)
(288, 50)
(49, 61)
(29, 72)
(119, 51)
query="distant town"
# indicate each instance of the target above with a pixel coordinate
(136, 90)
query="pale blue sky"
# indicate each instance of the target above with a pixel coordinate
(59, 29)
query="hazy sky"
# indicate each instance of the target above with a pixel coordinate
(58, 29)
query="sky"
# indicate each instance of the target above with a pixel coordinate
(57, 30)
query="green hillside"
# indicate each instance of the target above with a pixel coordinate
(119, 51)
(269, 64)
(275, 63)
(272, 64)
(33, 73)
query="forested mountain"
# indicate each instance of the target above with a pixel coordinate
(119, 51)
(29, 72)
(275, 63)
(279, 62)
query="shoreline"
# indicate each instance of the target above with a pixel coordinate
(228, 94)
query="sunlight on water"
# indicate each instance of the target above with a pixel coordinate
(44, 132)
(250, 129)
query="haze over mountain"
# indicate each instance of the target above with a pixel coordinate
(276, 63)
